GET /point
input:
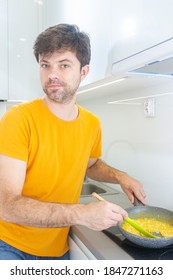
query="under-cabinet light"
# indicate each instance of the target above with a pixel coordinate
(125, 103)
(103, 85)
(140, 97)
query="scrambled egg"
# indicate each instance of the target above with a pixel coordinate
(150, 225)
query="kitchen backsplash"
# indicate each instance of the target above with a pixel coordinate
(139, 145)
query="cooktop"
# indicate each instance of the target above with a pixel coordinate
(137, 252)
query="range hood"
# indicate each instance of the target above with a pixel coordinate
(156, 60)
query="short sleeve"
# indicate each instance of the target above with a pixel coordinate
(14, 134)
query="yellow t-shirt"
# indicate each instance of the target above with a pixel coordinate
(57, 154)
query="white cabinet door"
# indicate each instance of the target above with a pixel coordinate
(23, 27)
(137, 25)
(75, 251)
(3, 51)
(78, 251)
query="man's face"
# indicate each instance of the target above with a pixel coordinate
(60, 75)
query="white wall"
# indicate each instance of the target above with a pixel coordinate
(141, 146)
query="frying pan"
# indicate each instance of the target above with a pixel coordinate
(141, 211)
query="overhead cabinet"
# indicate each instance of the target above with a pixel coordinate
(3, 51)
(23, 27)
(117, 29)
(19, 27)
(138, 25)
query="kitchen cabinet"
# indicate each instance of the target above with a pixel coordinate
(3, 51)
(117, 29)
(23, 28)
(78, 251)
(137, 25)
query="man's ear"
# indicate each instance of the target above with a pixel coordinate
(84, 71)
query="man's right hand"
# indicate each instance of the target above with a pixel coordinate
(101, 215)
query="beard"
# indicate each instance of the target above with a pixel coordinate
(62, 94)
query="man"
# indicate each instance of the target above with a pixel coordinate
(47, 146)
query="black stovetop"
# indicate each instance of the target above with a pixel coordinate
(137, 252)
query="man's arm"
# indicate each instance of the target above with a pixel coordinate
(19, 209)
(100, 171)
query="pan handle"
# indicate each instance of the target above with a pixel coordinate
(137, 202)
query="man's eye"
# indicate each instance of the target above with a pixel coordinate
(64, 66)
(44, 65)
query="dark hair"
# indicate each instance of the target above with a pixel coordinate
(64, 37)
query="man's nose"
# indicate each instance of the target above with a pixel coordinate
(53, 75)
